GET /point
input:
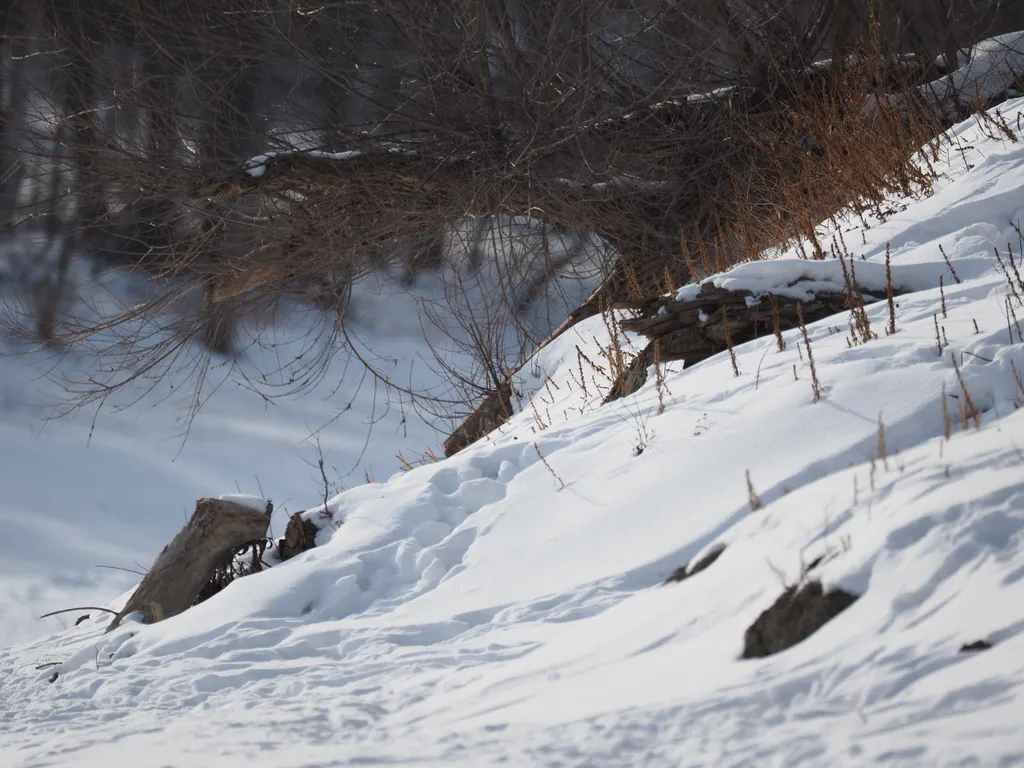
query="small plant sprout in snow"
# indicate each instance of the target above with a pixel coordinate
(728, 341)
(776, 323)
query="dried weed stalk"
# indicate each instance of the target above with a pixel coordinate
(752, 497)
(815, 385)
(969, 411)
(890, 293)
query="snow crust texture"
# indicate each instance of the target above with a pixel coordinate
(506, 606)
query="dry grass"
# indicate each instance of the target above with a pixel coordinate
(815, 384)
(427, 457)
(890, 293)
(863, 151)
(752, 497)
(967, 410)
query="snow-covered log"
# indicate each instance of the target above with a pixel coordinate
(991, 73)
(693, 326)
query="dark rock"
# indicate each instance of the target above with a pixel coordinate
(977, 645)
(685, 571)
(679, 574)
(795, 616)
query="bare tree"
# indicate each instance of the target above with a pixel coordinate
(283, 145)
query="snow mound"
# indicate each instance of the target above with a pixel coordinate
(507, 605)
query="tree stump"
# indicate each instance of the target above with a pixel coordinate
(185, 565)
(299, 536)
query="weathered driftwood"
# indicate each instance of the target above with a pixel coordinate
(185, 565)
(695, 329)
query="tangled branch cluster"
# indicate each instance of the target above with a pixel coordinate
(253, 149)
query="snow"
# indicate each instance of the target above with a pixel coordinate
(992, 68)
(507, 606)
(801, 279)
(246, 500)
(93, 492)
(256, 167)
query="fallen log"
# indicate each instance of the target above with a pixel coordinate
(496, 406)
(689, 329)
(493, 411)
(692, 329)
(184, 566)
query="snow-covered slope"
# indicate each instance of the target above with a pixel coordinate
(506, 606)
(109, 487)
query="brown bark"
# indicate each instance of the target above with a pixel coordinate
(299, 536)
(494, 411)
(185, 565)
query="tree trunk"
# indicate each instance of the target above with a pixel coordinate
(185, 565)
(228, 138)
(11, 80)
(217, 321)
(147, 223)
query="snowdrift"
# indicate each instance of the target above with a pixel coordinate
(507, 605)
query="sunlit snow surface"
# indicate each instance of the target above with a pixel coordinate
(75, 494)
(505, 605)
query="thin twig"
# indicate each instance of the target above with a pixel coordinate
(948, 264)
(757, 379)
(79, 608)
(119, 568)
(561, 483)
(969, 409)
